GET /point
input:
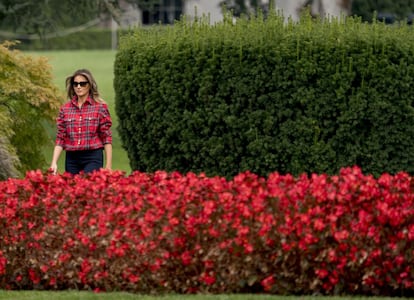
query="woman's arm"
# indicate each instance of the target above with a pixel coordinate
(108, 156)
(56, 154)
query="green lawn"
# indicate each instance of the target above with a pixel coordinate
(70, 295)
(101, 64)
(29, 295)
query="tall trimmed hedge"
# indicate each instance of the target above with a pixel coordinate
(264, 96)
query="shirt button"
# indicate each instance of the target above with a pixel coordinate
(79, 130)
(79, 142)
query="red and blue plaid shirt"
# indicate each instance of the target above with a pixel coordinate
(85, 128)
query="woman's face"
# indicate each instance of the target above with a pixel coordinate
(81, 85)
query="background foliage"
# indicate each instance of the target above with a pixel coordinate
(401, 10)
(28, 101)
(44, 17)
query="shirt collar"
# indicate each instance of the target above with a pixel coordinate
(75, 100)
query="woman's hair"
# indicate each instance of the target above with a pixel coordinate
(93, 91)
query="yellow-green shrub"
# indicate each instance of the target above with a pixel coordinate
(28, 101)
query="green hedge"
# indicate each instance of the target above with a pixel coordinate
(263, 96)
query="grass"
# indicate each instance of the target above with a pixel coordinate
(72, 295)
(101, 64)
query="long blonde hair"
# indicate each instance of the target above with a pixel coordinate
(93, 91)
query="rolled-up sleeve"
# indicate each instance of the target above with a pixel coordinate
(105, 133)
(61, 129)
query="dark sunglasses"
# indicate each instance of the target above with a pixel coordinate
(82, 83)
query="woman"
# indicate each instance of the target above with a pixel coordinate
(83, 127)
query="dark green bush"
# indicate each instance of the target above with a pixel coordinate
(263, 96)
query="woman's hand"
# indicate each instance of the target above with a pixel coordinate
(53, 168)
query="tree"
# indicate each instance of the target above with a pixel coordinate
(42, 17)
(28, 102)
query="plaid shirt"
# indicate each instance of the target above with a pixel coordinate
(85, 128)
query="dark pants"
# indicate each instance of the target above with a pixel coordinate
(86, 161)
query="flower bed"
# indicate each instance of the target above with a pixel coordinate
(167, 232)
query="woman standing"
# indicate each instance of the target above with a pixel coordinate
(83, 127)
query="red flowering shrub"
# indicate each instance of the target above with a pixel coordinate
(168, 232)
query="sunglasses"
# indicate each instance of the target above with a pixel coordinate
(82, 83)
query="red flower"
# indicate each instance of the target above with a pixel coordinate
(318, 224)
(33, 276)
(3, 262)
(133, 278)
(52, 281)
(268, 283)
(321, 273)
(208, 264)
(44, 268)
(208, 278)
(186, 258)
(341, 235)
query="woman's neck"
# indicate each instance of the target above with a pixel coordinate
(82, 99)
